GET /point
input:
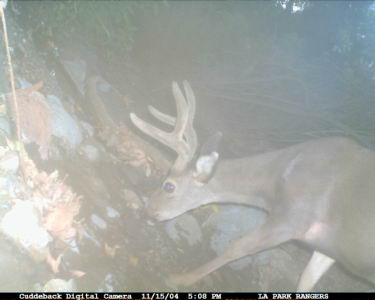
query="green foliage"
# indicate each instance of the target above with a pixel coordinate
(109, 25)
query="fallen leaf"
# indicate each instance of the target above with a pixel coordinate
(53, 263)
(213, 207)
(110, 251)
(133, 260)
(60, 220)
(35, 117)
(77, 273)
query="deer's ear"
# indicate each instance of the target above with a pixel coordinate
(205, 166)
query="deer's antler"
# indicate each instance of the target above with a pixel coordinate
(183, 138)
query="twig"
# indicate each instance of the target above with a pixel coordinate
(11, 74)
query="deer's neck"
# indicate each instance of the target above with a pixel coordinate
(248, 181)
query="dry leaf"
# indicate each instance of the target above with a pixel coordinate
(77, 273)
(53, 263)
(215, 208)
(133, 260)
(35, 117)
(110, 251)
(59, 220)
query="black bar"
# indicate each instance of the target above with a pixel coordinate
(185, 296)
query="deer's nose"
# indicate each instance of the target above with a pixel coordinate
(157, 215)
(151, 212)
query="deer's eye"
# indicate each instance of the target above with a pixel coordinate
(169, 187)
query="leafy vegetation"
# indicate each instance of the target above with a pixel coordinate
(109, 25)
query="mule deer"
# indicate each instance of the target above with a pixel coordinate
(321, 192)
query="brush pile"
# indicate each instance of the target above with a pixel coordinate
(42, 213)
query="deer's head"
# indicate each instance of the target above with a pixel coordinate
(185, 187)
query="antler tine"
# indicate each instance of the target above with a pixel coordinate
(183, 138)
(184, 130)
(191, 135)
(159, 135)
(165, 118)
(182, 111)
(170, 120)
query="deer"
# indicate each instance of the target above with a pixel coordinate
(320, 192)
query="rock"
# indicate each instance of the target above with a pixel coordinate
(112, 213)
(90, 152)
(23, 83)
(98, 221)
(10, 187)
(59, 285)
(9, 161)
(88, 129)
(4, 125)
(64, 126)
(231, 223)
(107, 285)
(77, 70)
(28, 234)
(184, 227)
(104, 86)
